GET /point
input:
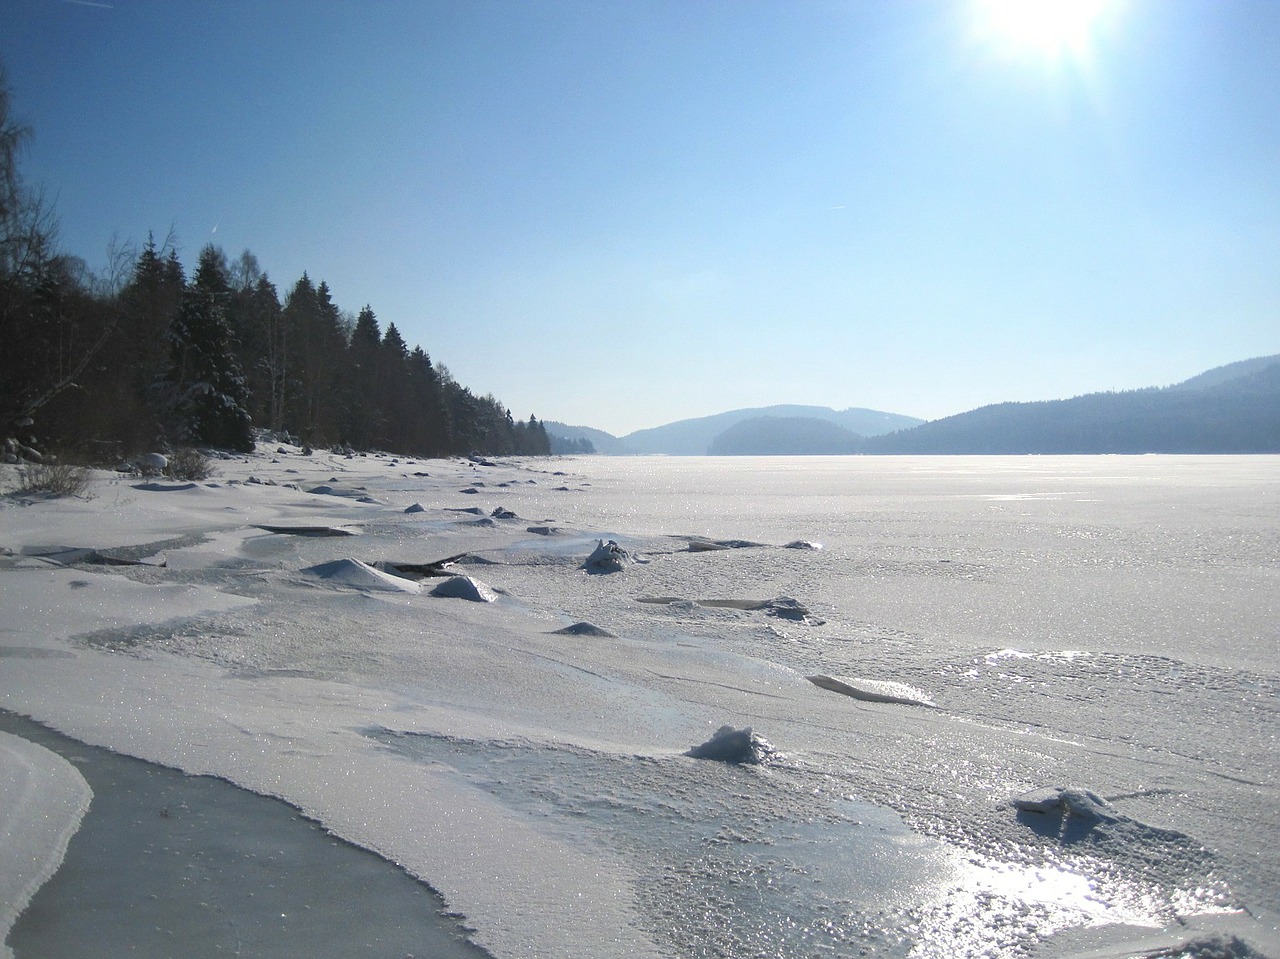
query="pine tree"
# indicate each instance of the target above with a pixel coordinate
(208, 391)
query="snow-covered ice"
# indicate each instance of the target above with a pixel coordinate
(1095, 640)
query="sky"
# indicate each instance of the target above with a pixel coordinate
(619, 214)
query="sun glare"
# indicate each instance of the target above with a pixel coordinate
(1048, 28)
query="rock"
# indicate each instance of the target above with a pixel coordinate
(151, 464)
(415, 508)
(802, 544)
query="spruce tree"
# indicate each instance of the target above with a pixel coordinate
(208, 391)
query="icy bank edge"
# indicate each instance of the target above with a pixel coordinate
(43, 799)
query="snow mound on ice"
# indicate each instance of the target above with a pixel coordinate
(874, 690)
(360, 575)
(584, 629)
(1067, 801)
(608, 557)
(464, 587)
(737, 746)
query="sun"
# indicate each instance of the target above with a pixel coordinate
(1046, 28)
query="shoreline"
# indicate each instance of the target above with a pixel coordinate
(167, 864)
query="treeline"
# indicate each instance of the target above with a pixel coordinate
(102, 365)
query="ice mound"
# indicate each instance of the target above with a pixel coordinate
(1081, 803)
(874, 690)
(1072, 814)
(360, 575)
(326, 489)
(608, 557)
(584, 629)
(737, 746)
(464, 587)
(784, 607)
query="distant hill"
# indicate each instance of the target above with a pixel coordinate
(1225, 374)
(693, 437)
(602, 442)
(1232, 409)
(785, 436)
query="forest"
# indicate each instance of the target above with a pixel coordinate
(142, 356)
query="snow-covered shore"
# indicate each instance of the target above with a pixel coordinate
(271, 629)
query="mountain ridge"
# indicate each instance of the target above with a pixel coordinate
(1233, 408)
(693, 436)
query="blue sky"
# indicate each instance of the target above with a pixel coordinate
(619, 214)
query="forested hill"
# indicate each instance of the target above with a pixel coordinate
(100, 366)
(1234, 409)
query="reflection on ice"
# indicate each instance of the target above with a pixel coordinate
(754, 861)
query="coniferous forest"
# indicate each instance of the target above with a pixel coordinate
(155, 353)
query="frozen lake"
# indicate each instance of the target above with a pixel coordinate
(1103, 629)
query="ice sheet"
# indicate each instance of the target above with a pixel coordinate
(1100, 624)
